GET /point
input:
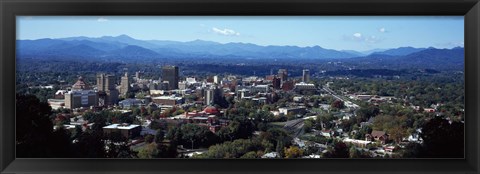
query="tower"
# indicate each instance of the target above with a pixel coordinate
(306, 76)
(283, 75)
(170, 74)
(125, 84)
(108, 94)
(212, 95)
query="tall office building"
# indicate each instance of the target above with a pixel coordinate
(216, 79)
(108, 94)
(212, 95)
(138, 75)
(125, 84)
(170, 74)
(81, 98)
(306, 76)
(283, 75)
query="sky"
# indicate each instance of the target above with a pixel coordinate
(358, 33)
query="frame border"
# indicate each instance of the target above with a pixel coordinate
(11, 8)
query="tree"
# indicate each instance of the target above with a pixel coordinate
(413, 150)
(251, 154)
(77, 132)
(156, 114)
(159, 135)
(192, 135)
(280, 148)
(338, 104)
(229, 132)
(136, 111)
(99, 121)
(397, 133)
(316, 103)
(149, 151)
(340, 151)
(33, 127)
(354, 153)
(156, 125)
(91, 145)
(243, 148)
(117, 146)
(59, 143)
(442, 139)
(130, 95)
(293, 152)
(308, 125)
(149, 138)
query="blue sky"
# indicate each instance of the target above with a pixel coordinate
(334, 32)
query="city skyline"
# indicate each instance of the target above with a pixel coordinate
(331, 32)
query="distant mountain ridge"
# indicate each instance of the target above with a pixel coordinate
(401, 51)
(126, 48)
(189, 49)
(430, 58)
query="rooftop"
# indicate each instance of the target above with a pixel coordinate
(121, 126)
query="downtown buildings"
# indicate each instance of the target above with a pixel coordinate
(170, 74)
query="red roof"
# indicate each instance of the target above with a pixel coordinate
(211, 110)
(80, 84)
(377, 134)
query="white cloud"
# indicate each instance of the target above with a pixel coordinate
(450, 44)
(361, 38)
(372, 39)
(382, 30)
(225, 32)
(102, 19)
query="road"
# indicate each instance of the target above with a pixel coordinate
(331, 92)
(296, 126)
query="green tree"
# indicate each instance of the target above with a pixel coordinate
(340, 151)
(159, 136)
(293, 152)
(117, 146)
(308, 125)
(442, 139)
(149, 151)
(338, 104)
(33, 127)
(149, 138)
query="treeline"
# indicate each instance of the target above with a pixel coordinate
(447, 89)
(36, 138)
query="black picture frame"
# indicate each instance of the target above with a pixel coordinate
(11, 8)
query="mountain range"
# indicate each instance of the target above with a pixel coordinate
(126, 48)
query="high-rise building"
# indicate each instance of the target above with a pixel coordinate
(107, 92)
(81, 98)
(212, 95)
(283, 75)
(138, 75)
(170, 74)
(182, 85)
(276, 82)
(125, 84)
(105, 82)
(216, 79)
(306, 76)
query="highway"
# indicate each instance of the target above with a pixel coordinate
(295, 126)
(331, 92)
